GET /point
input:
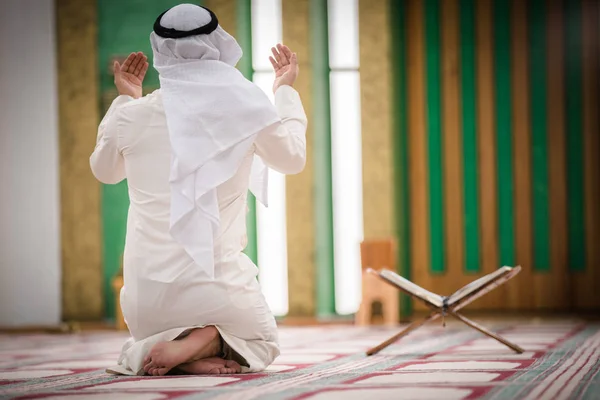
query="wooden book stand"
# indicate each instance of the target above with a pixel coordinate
(447, 305)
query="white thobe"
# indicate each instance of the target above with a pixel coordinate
(165, 294)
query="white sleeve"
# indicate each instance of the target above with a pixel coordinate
(282, 146)
(107, 162)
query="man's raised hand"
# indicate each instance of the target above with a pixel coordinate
(285, 64)
(130, 75)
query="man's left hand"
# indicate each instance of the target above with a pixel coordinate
(285, 65)
(130, 75)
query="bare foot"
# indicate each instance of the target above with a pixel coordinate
(211, 366)
(199, 344)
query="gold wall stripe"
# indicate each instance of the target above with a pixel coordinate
(376, 115)
(552, 289)
(588, 282)
(417, 144)
(225, 10)
(520, 292)
(486, 136)
(299, 188)
(452, 142)
(81, 241)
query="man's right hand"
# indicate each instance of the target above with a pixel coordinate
(285, 64)
(130, 75)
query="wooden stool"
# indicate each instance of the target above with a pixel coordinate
(377, 254)
(117, 284)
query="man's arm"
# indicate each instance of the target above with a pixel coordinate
(283, 146)
(107, 163)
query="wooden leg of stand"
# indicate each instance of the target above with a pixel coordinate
(404, 332)
(483, 330)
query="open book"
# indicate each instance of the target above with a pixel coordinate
(451, 305)
(473, 288)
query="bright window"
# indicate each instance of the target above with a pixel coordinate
(271, 222)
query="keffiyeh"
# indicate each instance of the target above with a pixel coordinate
(213, 115)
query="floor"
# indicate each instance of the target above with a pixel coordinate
(561, 361)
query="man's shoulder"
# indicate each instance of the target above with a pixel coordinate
(147, 103)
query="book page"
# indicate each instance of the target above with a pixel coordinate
(476, 285)
(412, 288)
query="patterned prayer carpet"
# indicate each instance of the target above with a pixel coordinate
(562, 361)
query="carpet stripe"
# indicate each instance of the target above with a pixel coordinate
(47, 383)
(548, 385)
(545, 365)
(583, 370)
(590, 379)
(278, 386)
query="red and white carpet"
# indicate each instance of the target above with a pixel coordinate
(562, 361)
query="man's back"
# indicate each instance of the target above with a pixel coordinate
(142, 138)
(134, 144)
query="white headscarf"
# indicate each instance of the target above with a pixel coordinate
(213, 116)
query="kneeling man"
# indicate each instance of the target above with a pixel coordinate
(190, 151)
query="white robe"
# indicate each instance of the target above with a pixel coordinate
(164, 293)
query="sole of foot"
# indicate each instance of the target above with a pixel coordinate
(201, 343)
(211, 366)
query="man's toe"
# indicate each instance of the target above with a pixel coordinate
(215, 371)
(234, 366)
(149, 365)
